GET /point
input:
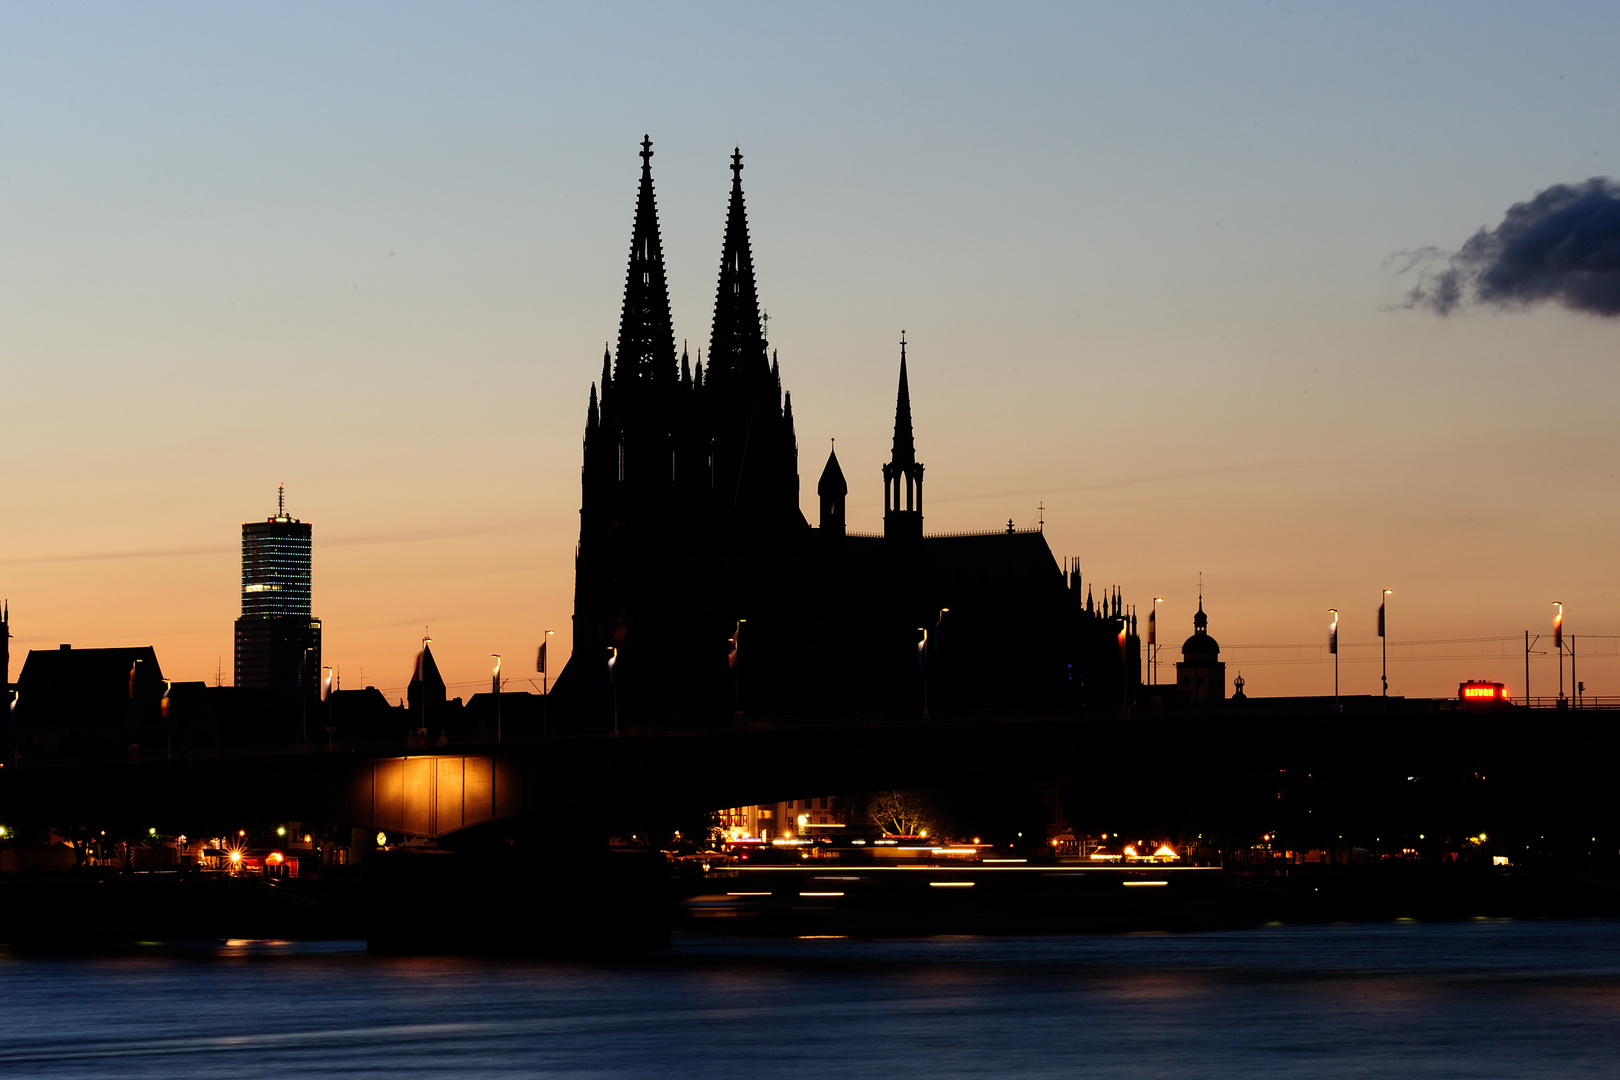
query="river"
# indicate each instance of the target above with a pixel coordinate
(1470, 999)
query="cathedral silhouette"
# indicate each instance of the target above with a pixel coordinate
(703, 594)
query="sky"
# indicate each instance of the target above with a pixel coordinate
(1150, 260)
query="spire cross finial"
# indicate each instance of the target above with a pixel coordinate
(736, 165)
(902, 345)
(646, 152)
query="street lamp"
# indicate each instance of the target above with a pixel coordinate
(736, 674)
(1558, 646)
(495, 678)
(939, 623)
(922, 662)
(545, 666)
(1333, 647)
(614, 682)
(545, 682)
(1383, 638)
(1153, 640)
(326, 696)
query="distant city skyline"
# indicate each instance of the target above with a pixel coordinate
(1148, 264)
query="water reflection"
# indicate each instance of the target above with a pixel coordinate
(1479, 999)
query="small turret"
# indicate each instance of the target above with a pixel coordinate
(832, 490)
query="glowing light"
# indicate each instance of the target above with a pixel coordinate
(273, 857)
(382, 839)
(821, 894)
(950, 884)
(748, 894)
(281, 830)
(1144, 884)
(236, 857)
(1166, 852)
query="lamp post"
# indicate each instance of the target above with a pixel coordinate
(1558, 647)
(736, 673)
(495, 678)
(1153, 640)
(613, 681)
(939, 623)
(922, 662)
(545, 668)
(545, 682)
(1383, 637)
(326, 695)
(1333, 647)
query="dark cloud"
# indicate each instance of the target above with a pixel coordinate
(1562, 247)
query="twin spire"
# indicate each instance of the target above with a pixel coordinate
(646, 348)
(646, 335)
(737, 341)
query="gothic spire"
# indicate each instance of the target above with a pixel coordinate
(646, 335)
(905, 451)
(592, 420)
(737, 342)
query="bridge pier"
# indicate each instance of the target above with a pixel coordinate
(509, 900)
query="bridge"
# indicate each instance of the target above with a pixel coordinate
(1233, 771)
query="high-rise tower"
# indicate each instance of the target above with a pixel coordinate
(278, 641)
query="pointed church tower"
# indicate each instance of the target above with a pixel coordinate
(646, 336)
(903, 475)
(755, 458)
(737, 340)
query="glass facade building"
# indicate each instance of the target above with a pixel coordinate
(275, 568)
(278, 641)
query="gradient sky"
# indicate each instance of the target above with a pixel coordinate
(1142, 253)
